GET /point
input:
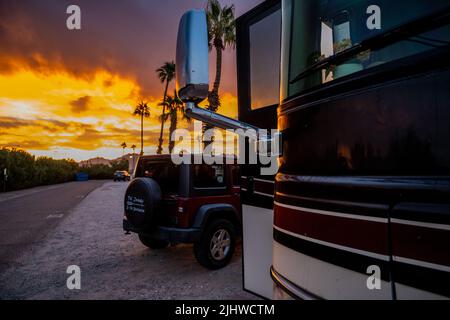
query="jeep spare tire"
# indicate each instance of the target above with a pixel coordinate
(142, 200)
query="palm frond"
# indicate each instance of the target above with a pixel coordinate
(221, 25)
(166, 72)
(142, 109)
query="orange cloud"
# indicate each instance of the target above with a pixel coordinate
(54, 112)
(71, 94)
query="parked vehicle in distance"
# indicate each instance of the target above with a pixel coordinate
(171, 204)
(122, 176)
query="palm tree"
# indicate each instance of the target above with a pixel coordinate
(124, 146)
(166, 73)
(221, 34)
(175, 105)
(133, 147)
(142, 110)
(166, 104)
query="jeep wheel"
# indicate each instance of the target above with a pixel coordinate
(216, 246)
(153, 243)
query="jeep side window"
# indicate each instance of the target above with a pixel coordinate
(206, 176)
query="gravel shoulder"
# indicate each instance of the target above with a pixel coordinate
(113, 265)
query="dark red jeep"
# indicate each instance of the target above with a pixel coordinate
(189, 203)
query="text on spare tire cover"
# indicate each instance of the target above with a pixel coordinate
(135, 205)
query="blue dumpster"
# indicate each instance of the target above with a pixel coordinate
(81, 176)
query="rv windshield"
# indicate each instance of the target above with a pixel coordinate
(318, 30)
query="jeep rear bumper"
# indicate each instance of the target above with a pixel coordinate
(172, 235)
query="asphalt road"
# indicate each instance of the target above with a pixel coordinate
(113, 265)
(28, 216)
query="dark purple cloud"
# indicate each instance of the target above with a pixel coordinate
(131, 38)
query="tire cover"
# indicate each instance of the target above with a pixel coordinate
(142, 199)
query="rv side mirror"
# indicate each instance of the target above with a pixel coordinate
(192, 71)
(192, 66)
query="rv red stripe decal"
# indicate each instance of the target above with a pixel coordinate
(422, 244)
(265, 187)
(360, 234)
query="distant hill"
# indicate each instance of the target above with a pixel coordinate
(132, 159)
(95, 162)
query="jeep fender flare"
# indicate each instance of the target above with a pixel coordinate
(210, 210)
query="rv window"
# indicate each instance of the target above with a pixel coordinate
(319, 29)
(265, 47)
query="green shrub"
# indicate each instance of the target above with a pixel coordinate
(26, 171)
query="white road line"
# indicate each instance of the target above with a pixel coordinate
(29, 192)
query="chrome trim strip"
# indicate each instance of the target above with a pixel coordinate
(422, 264)
(329, 201)
(264, 194)
(334, 214)
(291, 289)
(260, 180)
(438, 226)
(336, 246)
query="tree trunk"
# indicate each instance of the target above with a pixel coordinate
(161, 140)
(173, 127)
(214, 99)
(218, 70)
(142, 134)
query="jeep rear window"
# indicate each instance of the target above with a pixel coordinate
(165, 173)
(206, 176)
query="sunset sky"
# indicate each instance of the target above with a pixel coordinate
(71, 94)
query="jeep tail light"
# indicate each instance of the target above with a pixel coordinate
(182, 205)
